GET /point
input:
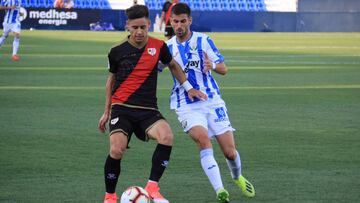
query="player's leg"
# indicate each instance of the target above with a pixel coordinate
(120, 128)
(5, 34)
(200, 136)
(16, 28)
(227, 145)
(16, 44)
(112, 168)
(161, 132)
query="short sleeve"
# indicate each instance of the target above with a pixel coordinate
(166, 6)
(165, 55)
(212, 51)
(111, 63)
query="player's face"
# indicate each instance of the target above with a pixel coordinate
(181, 25)
(138, 29)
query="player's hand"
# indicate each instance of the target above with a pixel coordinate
(208, 65)
(102, 122)
(194, 93)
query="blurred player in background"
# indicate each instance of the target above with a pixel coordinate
(131, 102)
(67, 4)
(204, 120)
(11, 24)
(165, 17)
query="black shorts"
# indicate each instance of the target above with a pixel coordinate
(169, 31)
(133, 120)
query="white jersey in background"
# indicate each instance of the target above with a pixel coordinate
(193, 66)
(12, 16)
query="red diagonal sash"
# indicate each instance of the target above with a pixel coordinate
(141, 72)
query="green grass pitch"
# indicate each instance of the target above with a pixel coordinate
(294, 99)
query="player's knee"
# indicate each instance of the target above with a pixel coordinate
(5, 36)
(117, 152)
(166, 138)
(230, 154)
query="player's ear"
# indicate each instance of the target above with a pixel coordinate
(190, 20)
(127, 26)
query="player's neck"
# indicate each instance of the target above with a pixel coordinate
(138, 45)
(185, 37)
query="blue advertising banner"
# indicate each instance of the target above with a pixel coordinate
(59, 19)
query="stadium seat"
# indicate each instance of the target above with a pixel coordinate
(49, 3)
(225, 6)
(252, 6)
(85, 4)
(215, 5)
(33, 3)
(234, 6)
(41, 4)
(104, 4)
(243, 6)
(260, 6)
(205, 6)
(24, 3)
(197, 6)
(94, 4)
(158, 5)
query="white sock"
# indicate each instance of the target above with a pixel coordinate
(211, 168)
(235, 166)
(16, 45)
(2, 39)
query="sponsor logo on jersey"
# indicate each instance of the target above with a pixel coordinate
(191, 64)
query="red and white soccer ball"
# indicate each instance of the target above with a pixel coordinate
(135, 194)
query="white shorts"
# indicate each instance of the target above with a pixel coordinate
(212, 115)
(12, 27)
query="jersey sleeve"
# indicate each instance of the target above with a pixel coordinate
(165, 55)
(166, 7)
(212, 51)
(111, 63)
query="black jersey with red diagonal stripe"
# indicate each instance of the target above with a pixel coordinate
(136, 72)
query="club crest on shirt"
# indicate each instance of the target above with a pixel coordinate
(152, 51)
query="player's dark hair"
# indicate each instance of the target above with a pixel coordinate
(137, 11)
(181, 8)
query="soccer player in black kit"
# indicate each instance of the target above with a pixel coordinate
(131, 103)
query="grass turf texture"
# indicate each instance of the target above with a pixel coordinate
(294, 99)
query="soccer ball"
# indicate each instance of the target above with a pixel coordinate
(135, 194)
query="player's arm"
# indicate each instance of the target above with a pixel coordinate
(162, 20)
(180, 76)
(210, 65)
(7, 7)
(105, 117)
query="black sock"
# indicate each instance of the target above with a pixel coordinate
(111, 171)
(160, 161)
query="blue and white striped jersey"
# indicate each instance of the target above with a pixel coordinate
(190, 56)
(12, 15)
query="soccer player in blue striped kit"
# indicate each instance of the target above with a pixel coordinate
(11, 24)
(204, 120)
